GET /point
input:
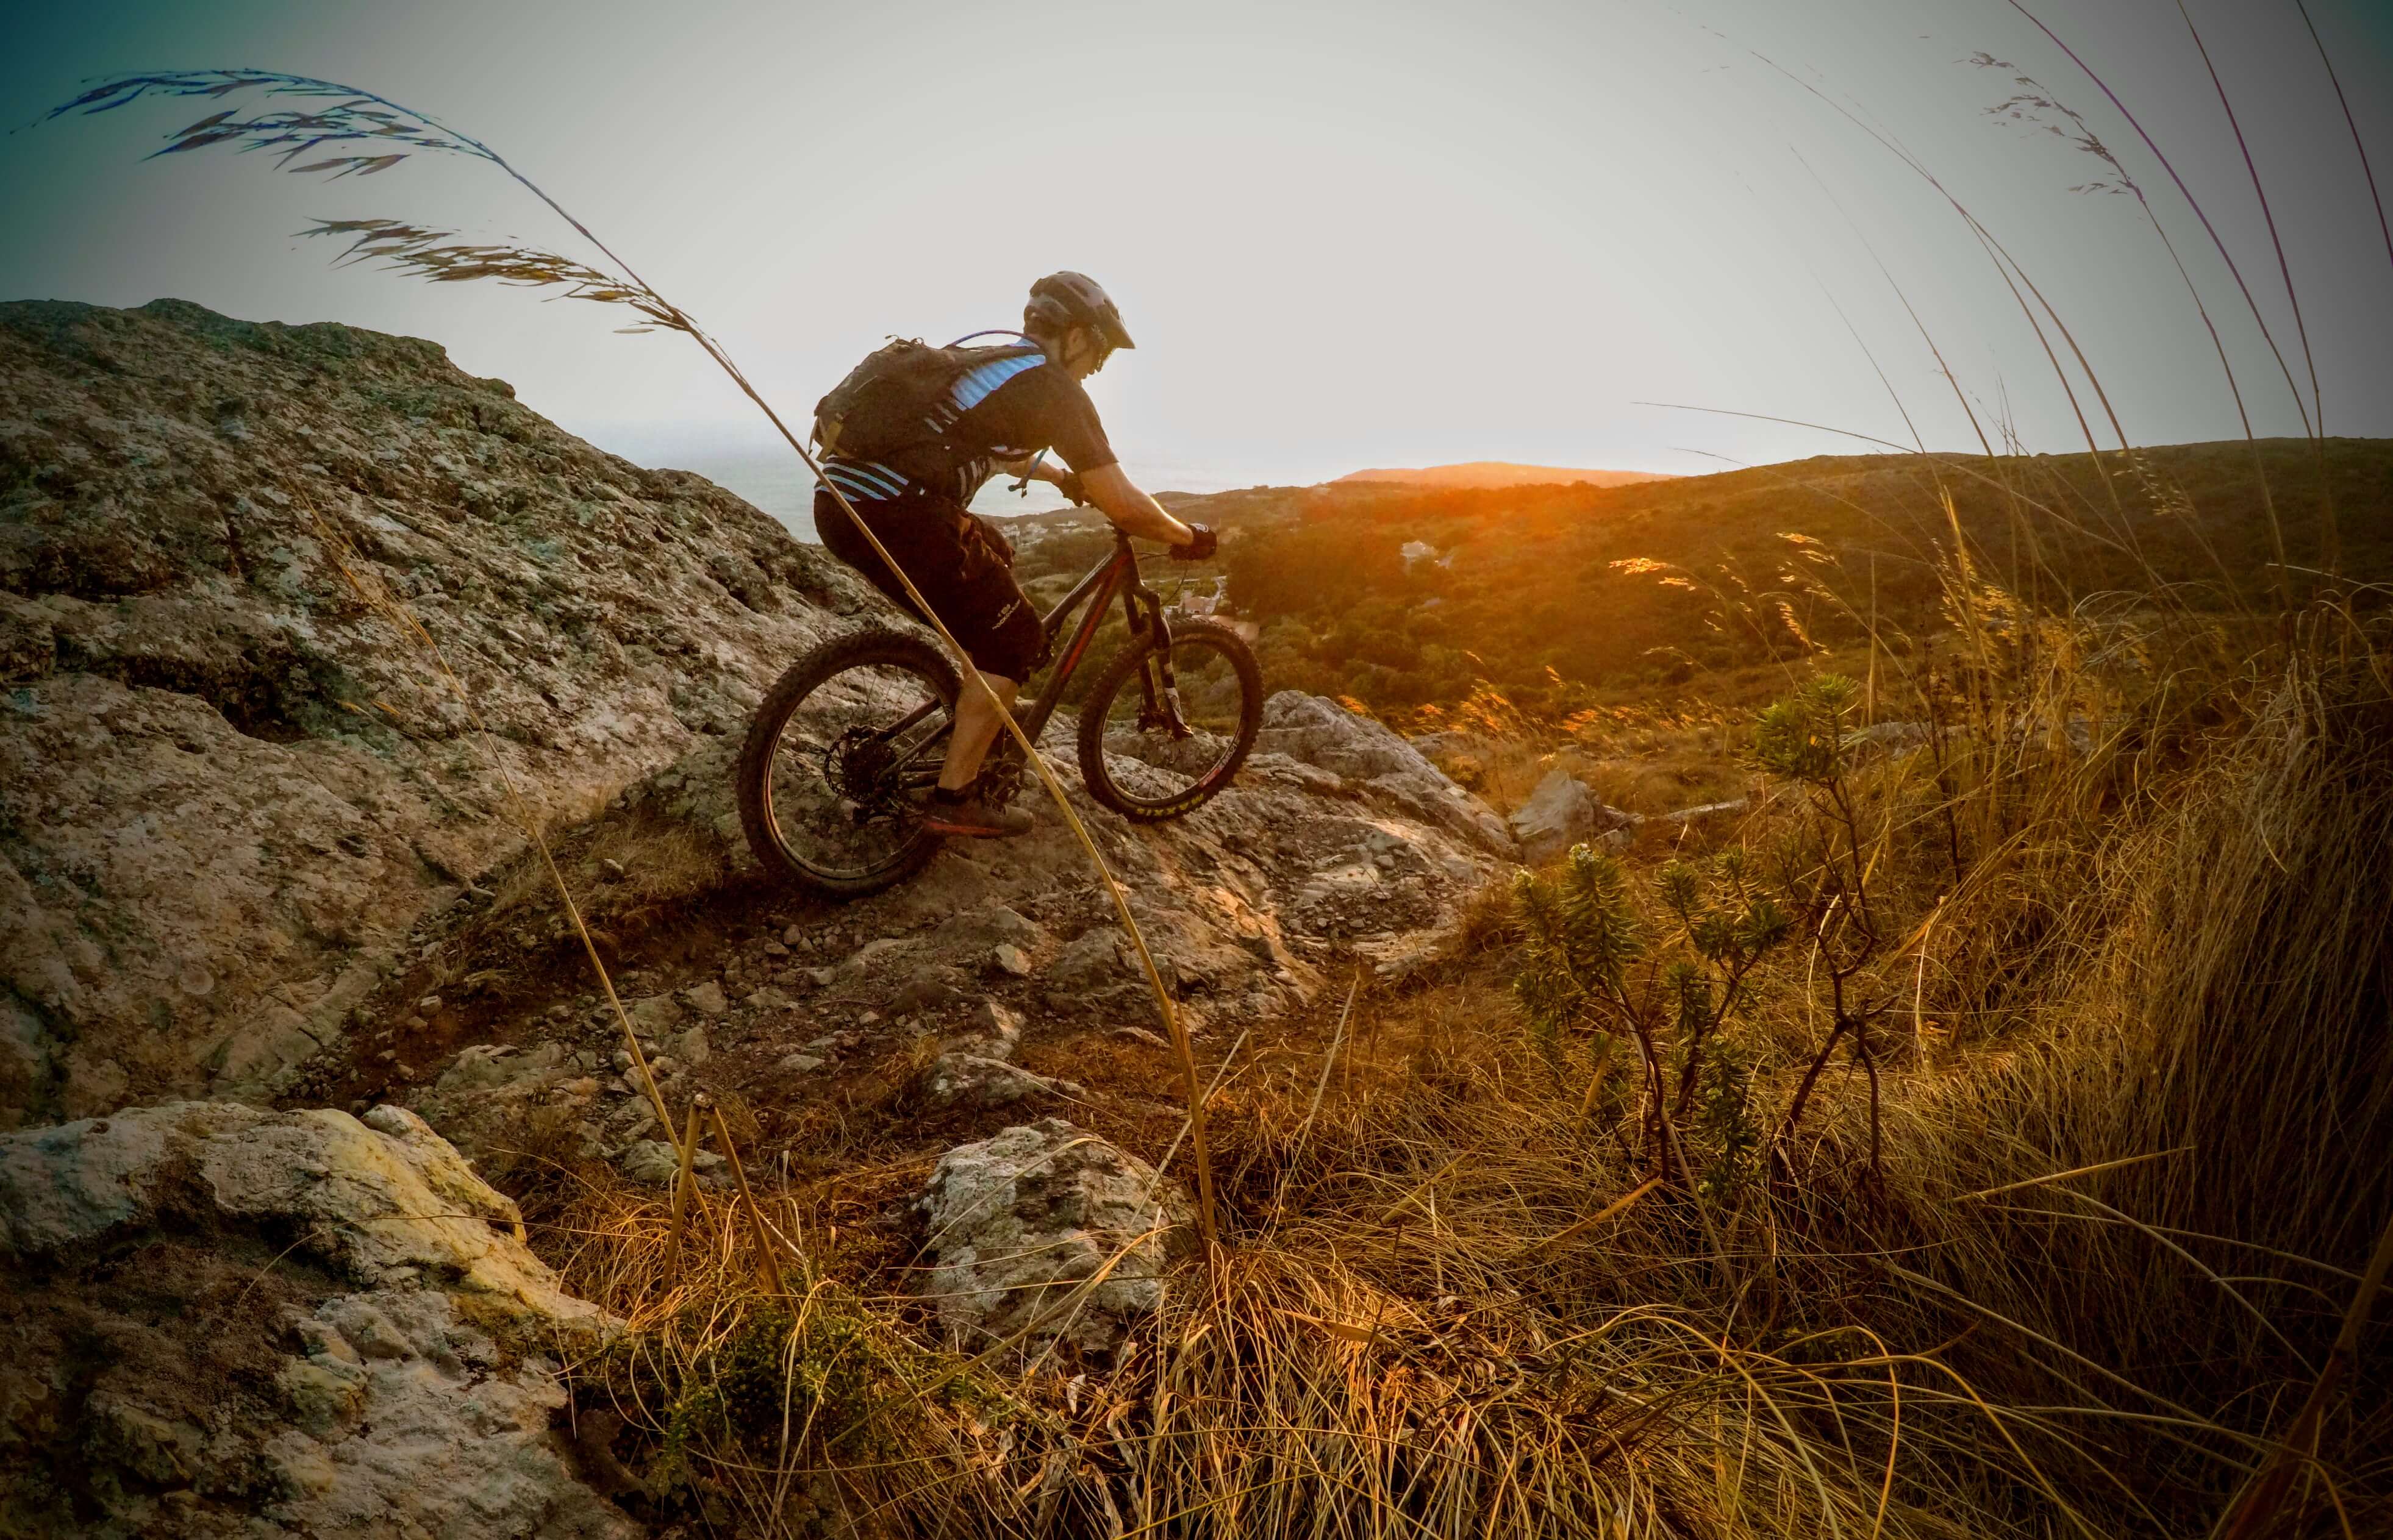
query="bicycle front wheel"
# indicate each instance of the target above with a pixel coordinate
(1161, 731)
(838, 759)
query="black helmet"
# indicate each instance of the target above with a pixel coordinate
(1076, 299)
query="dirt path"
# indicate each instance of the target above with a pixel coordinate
(822, 1028)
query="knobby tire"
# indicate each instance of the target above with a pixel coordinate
(874, 647)
(1200, 633)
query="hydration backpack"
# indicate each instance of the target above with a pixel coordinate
(893, 398)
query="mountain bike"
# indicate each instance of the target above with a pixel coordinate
(847, 744)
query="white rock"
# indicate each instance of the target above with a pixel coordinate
(487, 1065)
(1098, 958)
(420, 1401)
(1706, 810)
(1017, 1221)
(655, 1013)
(962, 1079)
(1317, 731)
(989, 927)
(931, 985)
(654, 1163)
(1561, 812)
(997, 1024)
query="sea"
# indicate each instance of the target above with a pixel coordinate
(779, 483)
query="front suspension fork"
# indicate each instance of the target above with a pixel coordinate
(1158, 684)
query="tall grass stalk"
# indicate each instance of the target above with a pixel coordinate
(2075, 1064)
(2367, 172)
(357, 117)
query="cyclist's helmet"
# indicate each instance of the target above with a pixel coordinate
(1076, 299)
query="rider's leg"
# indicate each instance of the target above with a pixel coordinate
(976, 727)
(973, 591)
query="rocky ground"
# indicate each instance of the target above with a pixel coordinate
(253, 849)
(498, 1034)
(222, 1321)
(231, 785)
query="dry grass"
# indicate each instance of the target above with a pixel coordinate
(2081, 1215)
(631, 862)
(1455, 1304)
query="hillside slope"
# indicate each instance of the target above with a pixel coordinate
(231, 786)
(1648, 584)
(1482, 473)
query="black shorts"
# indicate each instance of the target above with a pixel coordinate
(965, 573)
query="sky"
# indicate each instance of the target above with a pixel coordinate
(1344, 235)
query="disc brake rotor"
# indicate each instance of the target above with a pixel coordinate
(858, 765)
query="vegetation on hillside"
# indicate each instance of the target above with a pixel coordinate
(1553, 595)
(1981, 1136)
(1984, 1134)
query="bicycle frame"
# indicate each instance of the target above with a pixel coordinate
(1142, 609)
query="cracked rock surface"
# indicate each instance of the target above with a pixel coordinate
(233, 786)
(1019, 1223)
(220, 1321)
(240, 800)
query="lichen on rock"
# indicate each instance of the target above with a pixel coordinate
(224, 1321)
(224, 762)
(1048, 1235)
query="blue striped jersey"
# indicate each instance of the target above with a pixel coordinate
(874, 481)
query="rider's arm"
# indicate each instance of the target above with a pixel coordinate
(1132, 512)
(1033, 466)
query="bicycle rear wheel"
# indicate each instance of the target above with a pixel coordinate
(838, 758)
(1160, 736)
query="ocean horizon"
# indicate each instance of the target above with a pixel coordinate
(777, 482)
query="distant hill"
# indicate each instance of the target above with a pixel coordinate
(1547, 590)
(1632, 587)
(1483, 474)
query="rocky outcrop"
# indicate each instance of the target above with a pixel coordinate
(233, 784)
(1317, 731)
(245, 805)
(1239, 902)
(1242, 903)
(220, 1321)
(1561, 812)
(1046, 1234)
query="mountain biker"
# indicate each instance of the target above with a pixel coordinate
(1000, 415)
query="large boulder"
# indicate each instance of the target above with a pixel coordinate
(1561, 812)
(224, 1321)
(1314, 730)
(1021, 1222)
(233, 783)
